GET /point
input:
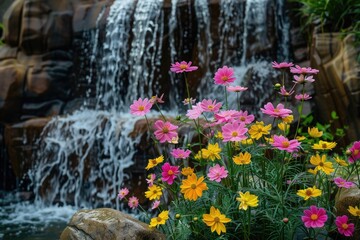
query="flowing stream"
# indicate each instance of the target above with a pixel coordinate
(84, 155)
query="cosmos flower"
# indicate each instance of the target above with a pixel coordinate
(122, 193)
(308, 193)
(282, 65)
(234, 131)
(236, 88)
(282, 143)
(303, 70)
(344, 228)
(209, 105)
(180, 153)
(153, 192)
(224, 76)
(160, 219)
(321, 164)
(354, 152)
(182, 67)
(165, 131)
(216, 220)
(242, 158)
(342, 183)
(314, 217)
(192, 187)
(278, 112)
(217, 172)
(140, 107)
(169, 173)
(133, 202)
(247, 200)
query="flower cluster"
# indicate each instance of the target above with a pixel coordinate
(241, 177)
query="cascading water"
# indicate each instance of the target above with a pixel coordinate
(84, 156)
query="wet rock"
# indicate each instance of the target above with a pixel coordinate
(109, 224)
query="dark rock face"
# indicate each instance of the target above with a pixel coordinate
(110, 224)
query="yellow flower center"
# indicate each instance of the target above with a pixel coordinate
(158, 219)
(141, 108)
(276, 110)
(165, 130)
(321, 164)
(224, 78)
(193, 186)
(344, 226)
(324, 145)
(308, 192)
(356, 152)
(155, 191)
(153, 161)
(216, 219)
(242, 118)
(314, 217)
(170, 172)
(234, 134)
(285, 144)
(210, 107)
(183, 66)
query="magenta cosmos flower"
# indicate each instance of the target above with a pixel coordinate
(224, 76)
(354, 152)
(314, 217)
(155, 204)
(282, 143)
(169, 173)
(165, 131)
(234, 131)
(133, 202)
(226, 116)
(303, 97)
(140, 107)
(245, 117)
(216, 173)
(301, 79)
(180, 153)
(278, 112)
(342, 183)
(303, 70)
(236, 88)
(209, 105)
(286, 93)
(182, 67)
(282, 65)
(344, 228)
(122, 193)
(195, 112)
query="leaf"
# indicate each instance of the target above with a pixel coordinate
(334, 115)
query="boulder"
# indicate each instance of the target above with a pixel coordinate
(109, 224)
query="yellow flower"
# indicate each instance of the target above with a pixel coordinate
(242, 158)
(247, 200)
(284, 127)
(288, 119)
(199, 155)
(309, 192)
(160, 219)
(153, 162)
(323, 145)
(219, 135)
(247, 141)
(192, 187)
(212, 152)
(259, 129)
(355, 211)
(300, 138)
(340, 161)
(154, 192)
(186, 171)
(313, 171)
(216, 220)
(321, 164)
(314, 132)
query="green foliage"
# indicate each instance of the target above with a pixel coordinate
(2, 28)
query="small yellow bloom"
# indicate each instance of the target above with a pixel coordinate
(314, 132)
(186, 171)
(309, 192)
(321, 164)
(153, 192)
(300, 138)
(212, 152)
(219, 135)
(199, 155)
(160, 219)
(242, 158)
(192, 187)
(216, 220)
(153, 162)
(323, 145)
(258, 129)
(355, 211)
(247, 141)
(340, 161)
(247, 200)
(288, 119)
(284, 127)
(313, 171)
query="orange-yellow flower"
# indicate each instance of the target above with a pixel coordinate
(314, 132)
(186, 171)
(259, 129)
(309, 192)
(355, 211)
(160, 219)
(192, 187)
(216, 220)
(323, 145)
(247, 200)
(242, 158)
(340, 161)
(288, 119)
(153, 162)
(212, 152)
(321, 164)
(154, 192)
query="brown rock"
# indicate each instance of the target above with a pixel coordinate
(109, 224)
(12, 23)
(58, 32)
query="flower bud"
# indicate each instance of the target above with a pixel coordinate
(177, 216)
(195, 219)
(348, 152)
(285, 220)
(277, 86)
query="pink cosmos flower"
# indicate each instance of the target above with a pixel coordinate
(301, 79)
(155, 99)
(150, 180)
(234, 131)
(236, 88)
(210, 106)
(165, 131)
(342, 183)
(224, 76)
(314, 217)
(344, 228)
(122, 193)
(244, 117)
(182, 67)
(303, 70)
(282, 65)
(278, 112)
(169, 173)
(187, 101)
(155, 204)
(195, 112)
(180, 153)
(216, 173)
(284, 92)
(140, 107)
(303, 97)
(226, 116)
(133, 202)
(282, 143)
(354, 152)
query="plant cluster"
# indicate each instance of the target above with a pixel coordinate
(245, 178)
